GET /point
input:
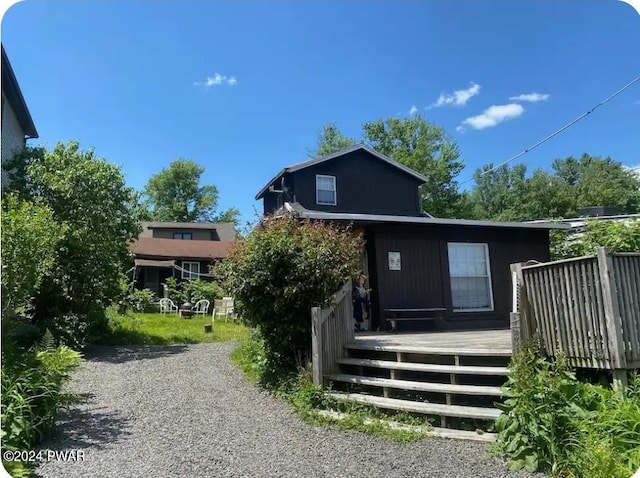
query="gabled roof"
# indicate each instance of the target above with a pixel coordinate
(149, 247)
(382, 218)
(11, 90)
(322, 159)
(226, 230)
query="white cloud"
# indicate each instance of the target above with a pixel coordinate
(216, 80)
(458, 97)
(493, 116)
(413, 110)
(531, 97)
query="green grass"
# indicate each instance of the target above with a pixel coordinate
(158, 329)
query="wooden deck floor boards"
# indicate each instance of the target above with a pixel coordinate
(479, 340)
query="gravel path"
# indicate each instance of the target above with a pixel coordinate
(185, 411)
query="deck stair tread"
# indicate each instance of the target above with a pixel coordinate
(481, 413)
(434, 431)
(418, 386)
(425, 367)
(429, 350)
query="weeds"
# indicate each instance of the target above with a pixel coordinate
(554, 422)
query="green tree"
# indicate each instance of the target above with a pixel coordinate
(175, 194)
(30, 237)
(597, 181)
(89, 196)
(498, 192)
(330, 140)
(428, 150)
(616, 236)
(230, 215)
(283, 268)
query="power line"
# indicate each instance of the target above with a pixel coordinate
(555, 133)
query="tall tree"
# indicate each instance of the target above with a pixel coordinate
(427, 149)
(330, 140)
(88, 199)
(230, 215)
(598, 181)
(175, 194)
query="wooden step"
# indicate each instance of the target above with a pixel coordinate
(425, 367)
(432, 431)
(420, 407)
(418, 386)
(412, 349)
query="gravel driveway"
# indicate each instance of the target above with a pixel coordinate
(185, 411)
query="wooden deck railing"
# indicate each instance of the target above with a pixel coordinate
(588, 308)
(331, 330)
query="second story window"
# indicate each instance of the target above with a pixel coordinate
(182, 235)
(326, 190)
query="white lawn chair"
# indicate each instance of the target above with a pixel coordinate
(224, 307)
(167, 305)
(201, 307)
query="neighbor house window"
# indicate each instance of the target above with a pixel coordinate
(182, 235)
(470, 277)
(191, 270)
(326, 190)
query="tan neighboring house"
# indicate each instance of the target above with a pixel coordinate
(17, 124)
(183, 250)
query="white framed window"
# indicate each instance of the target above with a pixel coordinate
(470, 274)
(326, 190)
(191, 270)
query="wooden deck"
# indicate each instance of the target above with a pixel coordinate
(476, 342)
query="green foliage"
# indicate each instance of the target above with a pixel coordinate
(30, 237)
(554, 422)
(142, 301)
(31, 392)
(87, 195)
(283, 269)
(616, 236)
(175, 194)
(330, 140)
(166, 329)
(202, 289)
(506, 193)
(196, 289)
(229, 215)
(427, 149)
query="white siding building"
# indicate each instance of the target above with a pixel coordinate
(17, 125)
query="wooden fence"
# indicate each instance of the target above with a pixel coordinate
(331, 330)
(588, 308)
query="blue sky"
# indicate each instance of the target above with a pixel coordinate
(244, 87)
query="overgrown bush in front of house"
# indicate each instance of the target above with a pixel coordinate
(279, 272)
(554, 422)
(31, 394)
(195, 289)
(616, 236)
(142, 300)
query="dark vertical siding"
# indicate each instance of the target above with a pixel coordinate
(364, 184)
(424, 279)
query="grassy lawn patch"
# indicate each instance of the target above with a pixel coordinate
(159, 329)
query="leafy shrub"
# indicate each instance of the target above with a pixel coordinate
(175, 291)
(552, 421)
(280, 271)
(614, 235)
(30, 236)
(31, 392)
(195, 289)
(201, 289)
(142, 301)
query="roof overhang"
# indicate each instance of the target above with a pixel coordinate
(154, 263)
(379, 218)
(312, 162)
(11, 89)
